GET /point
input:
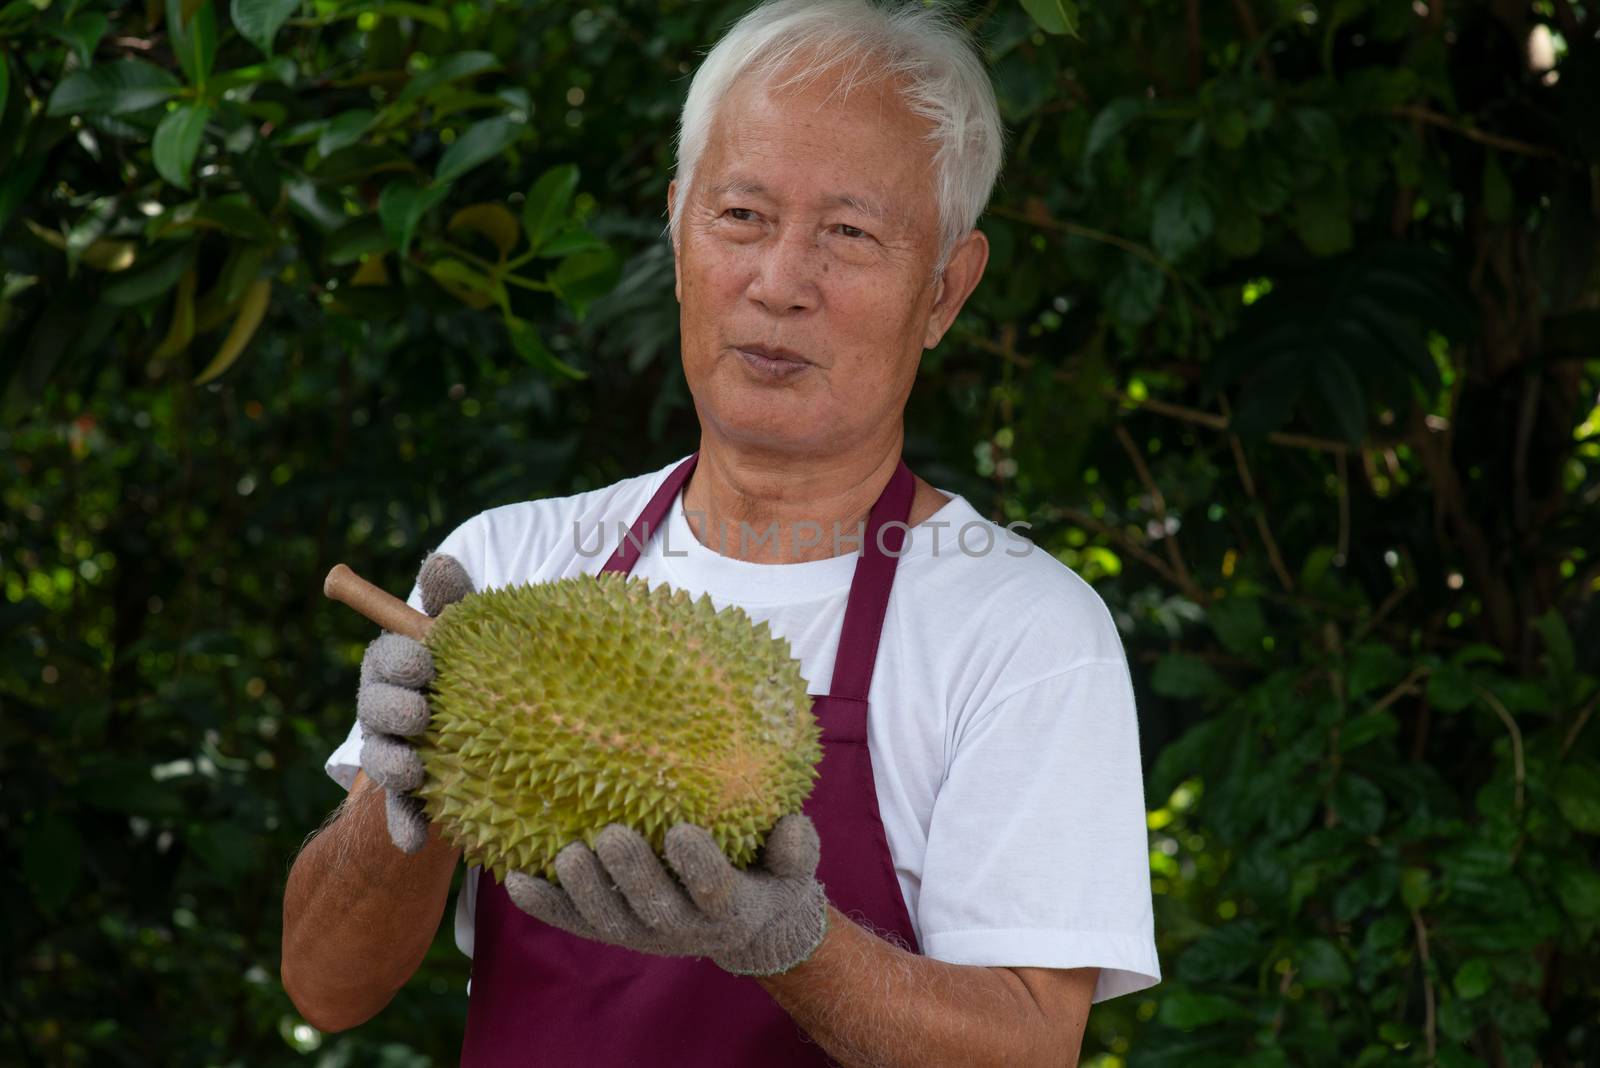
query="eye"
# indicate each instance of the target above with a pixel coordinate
(741, 214)
(846, 230)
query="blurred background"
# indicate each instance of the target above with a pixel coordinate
(1290, 344)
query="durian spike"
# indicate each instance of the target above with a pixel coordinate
(378, 605)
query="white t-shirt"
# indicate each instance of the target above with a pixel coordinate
(1001, 726)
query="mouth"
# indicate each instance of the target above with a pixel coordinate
(772, 361)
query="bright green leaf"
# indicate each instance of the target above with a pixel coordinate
(585, 277)
(1474, 978)
(448, 69)
(525, 338)
(176, 142)
(258, 21)
(193, 39)
(1416, 887)
(1054, 16)
(545, 211)
(112, 89)
(478, 144)
(402, 205)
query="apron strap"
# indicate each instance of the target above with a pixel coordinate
(651, 519)
(869, 589)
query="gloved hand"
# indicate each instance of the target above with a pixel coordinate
(761, 921)
(393, 709)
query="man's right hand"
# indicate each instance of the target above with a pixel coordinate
(392, 705)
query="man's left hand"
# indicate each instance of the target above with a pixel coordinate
(761, 921)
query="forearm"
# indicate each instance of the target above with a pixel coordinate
(358, 914)
(871, 1004)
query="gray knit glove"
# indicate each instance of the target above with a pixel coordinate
(761, 921)
(393, 708)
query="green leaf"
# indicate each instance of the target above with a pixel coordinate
(585, 277)
(1577, 794)
(400, 9)
(1557, 644)
(1188, 1009)
(525, 338)
(1182, 218)
(177, 141)
(448, 69)
(545, 211)
(1054, 16)
(230, 214)
(478, 144)
(1358, 803)
(1341, 392)
(150, 279)
(1182, 675)
(1371, 666)
(402, 205)
(1416, 887)
(1239, 624)
(1450, 689)
(82, 32)
(1108, 126)
(358, 238)
(193, 40)
(1321, 217)
(343, 130)
(1365, 728)
(1474, 978)
(1321, 965)
(1134, 293)
(1222, 953)
(112, 89)
(568, 242)
(258, 21)
(1579, 891)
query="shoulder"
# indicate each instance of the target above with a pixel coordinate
(538, 539)
(1008, 590)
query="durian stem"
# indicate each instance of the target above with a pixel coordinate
(378, 605)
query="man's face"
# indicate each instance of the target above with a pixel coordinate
(805, 267)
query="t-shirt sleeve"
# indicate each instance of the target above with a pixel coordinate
(1037, 847)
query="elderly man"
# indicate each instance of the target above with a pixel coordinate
(970, 871)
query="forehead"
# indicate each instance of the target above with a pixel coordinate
(822, 139)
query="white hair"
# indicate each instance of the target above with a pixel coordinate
(923, 52)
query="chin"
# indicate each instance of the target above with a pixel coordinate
(773, 423)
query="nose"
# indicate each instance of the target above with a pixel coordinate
(785, 281)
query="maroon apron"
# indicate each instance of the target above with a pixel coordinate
(541, 996)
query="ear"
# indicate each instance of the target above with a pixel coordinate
(672, 206)
(961, 274)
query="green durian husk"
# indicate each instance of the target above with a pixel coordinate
(561, 707)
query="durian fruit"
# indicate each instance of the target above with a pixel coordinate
(560, 707)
